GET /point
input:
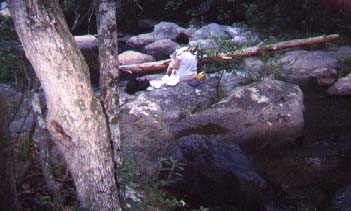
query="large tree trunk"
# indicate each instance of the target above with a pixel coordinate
(75, 116)
(109, 74)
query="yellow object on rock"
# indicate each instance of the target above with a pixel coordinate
(200, 76)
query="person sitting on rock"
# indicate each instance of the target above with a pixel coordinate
(183, 67)
(183, 64)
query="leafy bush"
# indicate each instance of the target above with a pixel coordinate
(296, 16)
(11, 61)
(144, 189)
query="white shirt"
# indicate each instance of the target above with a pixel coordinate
(188, 63)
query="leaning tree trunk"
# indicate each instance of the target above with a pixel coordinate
(109, 74)
(75, 116)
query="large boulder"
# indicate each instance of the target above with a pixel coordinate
(144, 134)
(214, 167)
(138, 42)
(302, 65)
(264, 110)
(161, 49)
(214, 163)
(133, 57)
(268, 110)
(182, 100)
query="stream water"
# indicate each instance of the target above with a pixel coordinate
(313, 168)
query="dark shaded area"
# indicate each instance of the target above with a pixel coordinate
(7, 182)
(134, 85)
(217, 176)
(313, 168)
(295, 16)
(208, 129)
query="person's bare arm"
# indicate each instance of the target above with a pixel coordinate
(174, 65)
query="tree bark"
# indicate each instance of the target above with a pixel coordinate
(109, 74)
(75, 117)
(147, 67)
(150, 67)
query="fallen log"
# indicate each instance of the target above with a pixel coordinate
(83, 42)
(162, 65)
(86, 41)
(147, 67)
(250, 51)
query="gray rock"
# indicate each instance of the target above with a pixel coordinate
(161, 49)
(267, 110)
(302, 65)
(133, 57)
(253, 63)
(183, 100)
(162, 30)
(241, 39)
(210, 30)
(18, 103)
(138, 42)
(166, 30)
(342, 200)
(143, 131)
(213, 166)
(189, 31)
(341, 87)
(21, 126)
(204, 44)
(233, 31)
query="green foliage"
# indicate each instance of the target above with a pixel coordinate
(11, 66)
(146, 187)
(296, 16)
(343, 66)
(209, 10)
(24, 148)
(77, 207)
(11, 61)
(271, 68)
(8, 32)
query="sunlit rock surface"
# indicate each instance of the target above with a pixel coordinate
(133, 57)
(261, 111)
(302, 65)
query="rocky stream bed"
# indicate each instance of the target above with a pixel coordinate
(266, 145)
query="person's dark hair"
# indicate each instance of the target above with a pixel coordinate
(182, 39)
(135, 85)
